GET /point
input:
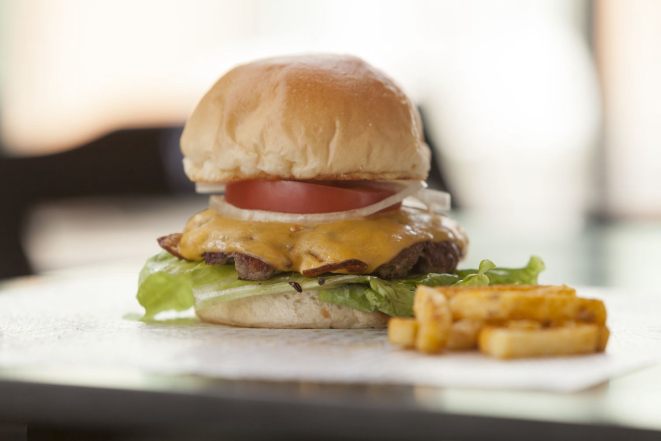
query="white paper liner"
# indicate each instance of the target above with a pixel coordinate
(79, 323)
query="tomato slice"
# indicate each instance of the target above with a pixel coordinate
(304, 197)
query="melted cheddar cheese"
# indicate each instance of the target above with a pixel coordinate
(374, 240)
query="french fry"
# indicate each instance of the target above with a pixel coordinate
(523, 324)
(539, 290)
(435, 319)
(517, 343)
(463, 335)
(402, 331)
(604, 335)
(488, 305)
(561, 323)
(423, 294)
(503, 321)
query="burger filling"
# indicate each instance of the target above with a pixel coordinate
(424, 257)
(388, 245)
(351, 243)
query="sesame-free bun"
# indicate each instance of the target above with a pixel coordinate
(305, 117)
(290, 310)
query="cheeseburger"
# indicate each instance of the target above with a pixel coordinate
(318, 215)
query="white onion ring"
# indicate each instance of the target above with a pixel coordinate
(222, 207)
(209, 188)
(434, 200)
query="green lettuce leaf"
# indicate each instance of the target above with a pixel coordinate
(165, 284)
(431, 279)
(395, 297)
(390, 297)
(351, 295)
(168, 283)
(213, 284)
(479, 278)
(512, 276)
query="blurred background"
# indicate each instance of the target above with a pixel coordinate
(544, 117)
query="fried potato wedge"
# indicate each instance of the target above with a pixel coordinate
(434, 317)
(506, 305)
(463, 335)
(539, 290)
(508, 343)
(402, 331)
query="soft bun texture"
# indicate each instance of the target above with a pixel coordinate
(305, 117)
(295, 310)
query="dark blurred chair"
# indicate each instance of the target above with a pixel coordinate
(128, 162)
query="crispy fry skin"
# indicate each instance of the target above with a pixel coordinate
(604, 335)
(515, 306)
(435, 320)
(517, 343)
(402, 331)
(463, 335)
(541, 290)
(523, 324)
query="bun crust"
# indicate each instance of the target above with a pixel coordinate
(295, 310)
(305, 117)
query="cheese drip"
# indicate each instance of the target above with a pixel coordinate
(374, 240)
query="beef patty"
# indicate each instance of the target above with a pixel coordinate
(421, 258)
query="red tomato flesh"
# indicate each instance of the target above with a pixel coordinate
(307, 197)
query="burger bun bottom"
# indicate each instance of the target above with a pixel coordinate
(290, 310)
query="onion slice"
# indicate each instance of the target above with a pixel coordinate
(434, 200)
(209, 188)
(221, 206)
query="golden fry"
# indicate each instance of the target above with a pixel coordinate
(463, 335)
(523, 324)
(604, 335)
(504, 321)
(488, 305)
(402, 331)
(540, 290)
(434, 317)
(518, 343)
(423, 294)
